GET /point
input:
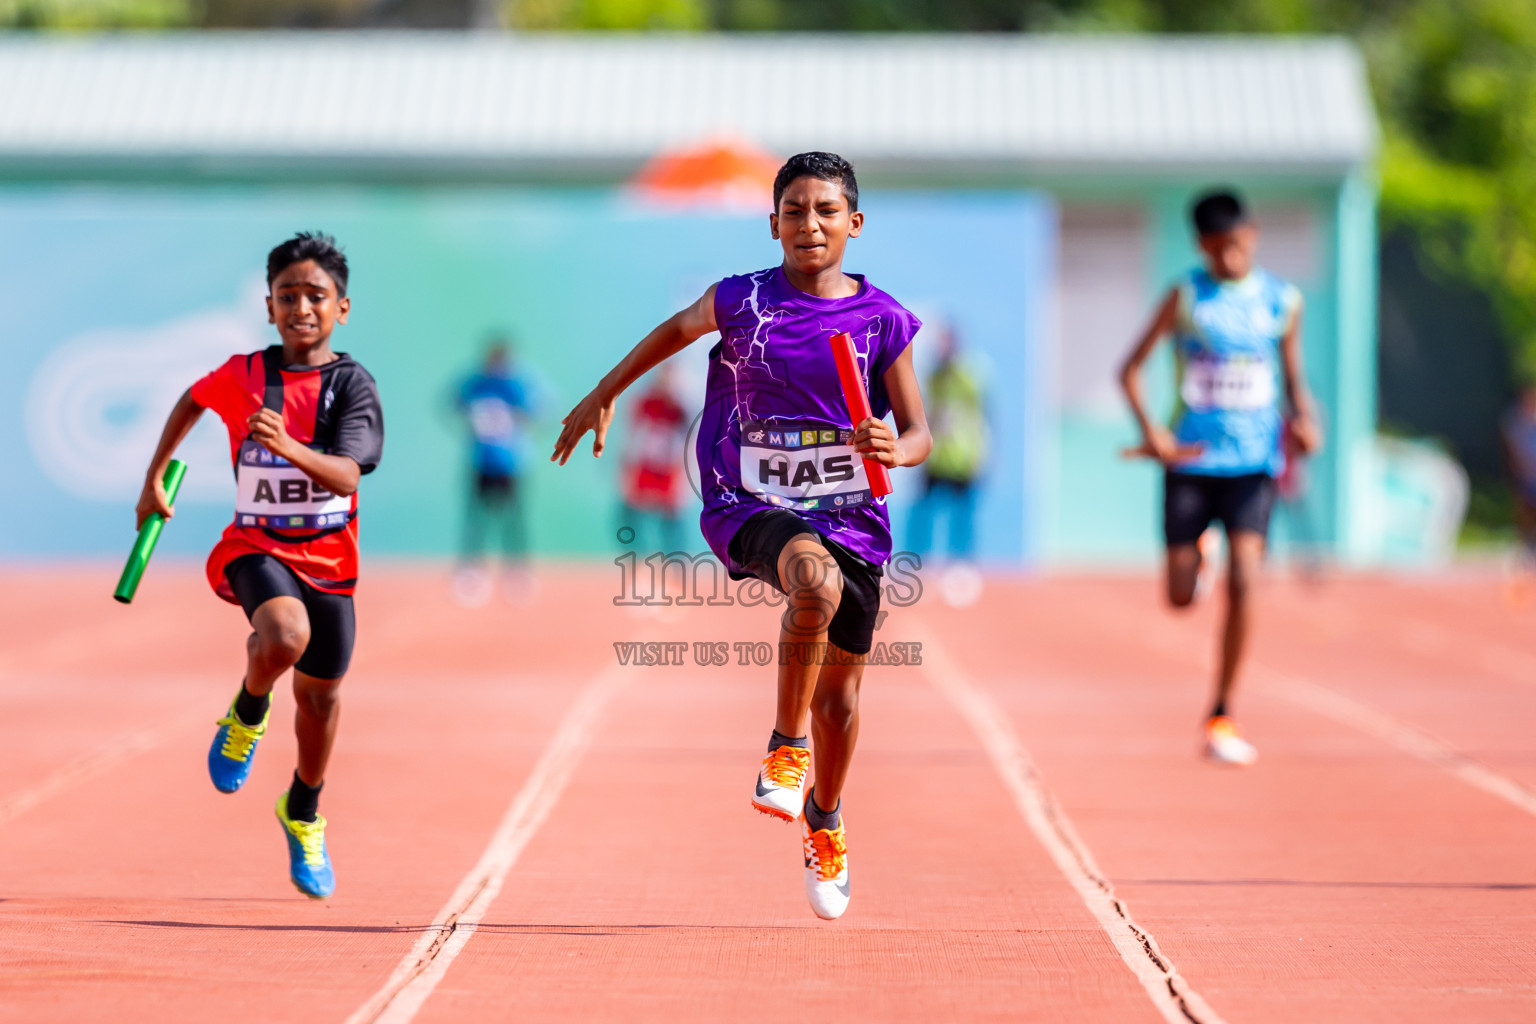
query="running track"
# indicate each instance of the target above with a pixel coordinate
(525, 831)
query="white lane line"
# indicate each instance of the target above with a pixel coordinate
(93, 763)
(419, 971)
(1170, 993)
(1409, 739)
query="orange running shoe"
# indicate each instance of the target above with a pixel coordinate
(781, 782)
(826, 869)
(1222, 743)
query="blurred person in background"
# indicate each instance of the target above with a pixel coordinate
(1236, 328)
(1517, 431)
(957, 418)
(496, 404)
(651, 465)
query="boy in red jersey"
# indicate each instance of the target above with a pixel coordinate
(304, 425)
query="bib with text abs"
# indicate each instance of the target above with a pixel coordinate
(272, 492)
(1241, 384)
(802, 466)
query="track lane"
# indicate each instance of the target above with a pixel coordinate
(1382, 886)
(655, 892)
(1337, 880)
(145, 894)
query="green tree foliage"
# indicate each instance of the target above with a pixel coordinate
(628, 15)
(1457, 88)
(96, 14)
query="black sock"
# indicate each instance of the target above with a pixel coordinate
(1220, 710)
(303, 800)
(250, 708)
(778, 740)
(819, 819)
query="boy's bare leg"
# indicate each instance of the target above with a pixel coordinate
(1245, 561)
(835, 725)
(813, 586)
(314, 723)
(1183, 573)
(279, 634)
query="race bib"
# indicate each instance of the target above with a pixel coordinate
(1238, 385)
(492, 421)
(802, 466)
(272, 492)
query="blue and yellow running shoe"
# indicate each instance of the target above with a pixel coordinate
(234, 745)
(309, 865)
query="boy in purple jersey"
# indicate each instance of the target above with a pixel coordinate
(785, 494)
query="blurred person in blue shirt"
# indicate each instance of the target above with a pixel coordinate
(496, 402)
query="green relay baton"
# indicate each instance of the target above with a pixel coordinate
(149, 533)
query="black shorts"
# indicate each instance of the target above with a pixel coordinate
(1192, 501)
(256, 579)
(761, 539)
(495, 488)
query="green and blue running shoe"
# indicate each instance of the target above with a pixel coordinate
(309, 865)
(234, 745)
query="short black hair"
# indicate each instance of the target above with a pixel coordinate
(310, 245)
(1218, 211)
(816, 164)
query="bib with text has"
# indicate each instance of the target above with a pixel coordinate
(802, 466)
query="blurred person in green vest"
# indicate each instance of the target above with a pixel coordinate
(956, 398)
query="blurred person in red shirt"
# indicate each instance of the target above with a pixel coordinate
(651, 466)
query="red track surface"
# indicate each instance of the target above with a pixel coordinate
(1343, 878)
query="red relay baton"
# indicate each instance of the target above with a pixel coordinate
(858, 407)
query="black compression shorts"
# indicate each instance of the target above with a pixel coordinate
(256, 579)
(1192, 501)
(762, 538)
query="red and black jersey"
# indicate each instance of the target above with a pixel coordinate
(334, 409)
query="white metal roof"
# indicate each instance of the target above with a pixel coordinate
(504, 99)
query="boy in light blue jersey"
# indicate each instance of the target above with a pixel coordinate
(1236, 331)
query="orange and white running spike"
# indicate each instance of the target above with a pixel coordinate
(826, 869)
(780, 788)
(1222, 743)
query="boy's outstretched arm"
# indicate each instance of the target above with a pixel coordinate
(911, 442)
(1305, 430)
(152, 499)
(1158, 438)
(595, 411)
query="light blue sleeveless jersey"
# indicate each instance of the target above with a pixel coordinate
(1227, 347)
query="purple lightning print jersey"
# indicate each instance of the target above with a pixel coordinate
(775, 430)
